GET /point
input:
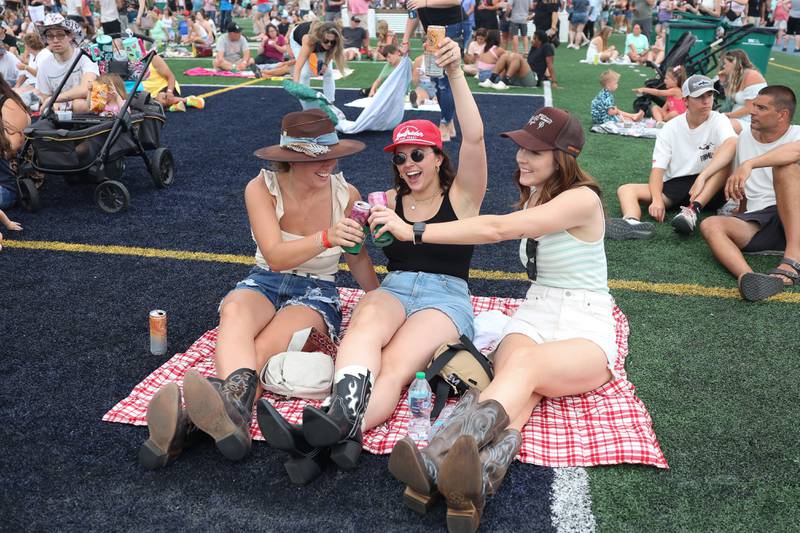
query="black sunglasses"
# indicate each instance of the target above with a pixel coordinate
(417, 155)
(329, 41)
(530, 251)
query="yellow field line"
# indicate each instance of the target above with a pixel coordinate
(672, 289)
(784, 66)
(232, 87)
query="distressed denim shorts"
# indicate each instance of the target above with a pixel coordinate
(422, 290)
(289, 289)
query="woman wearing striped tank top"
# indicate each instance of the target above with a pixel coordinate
(561, 340)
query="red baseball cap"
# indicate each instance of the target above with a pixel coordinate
(550, 128)
(421, 132)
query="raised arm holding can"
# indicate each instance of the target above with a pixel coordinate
(424, 300)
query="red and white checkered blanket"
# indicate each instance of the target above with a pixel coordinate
(608, 425)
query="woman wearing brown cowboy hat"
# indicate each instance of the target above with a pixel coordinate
(298, 218)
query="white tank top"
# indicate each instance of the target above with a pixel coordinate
(327, 262)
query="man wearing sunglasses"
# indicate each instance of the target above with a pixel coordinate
(61, 35)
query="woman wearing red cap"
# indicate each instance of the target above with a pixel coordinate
(298, 218)
(561, 340)
(424, 301)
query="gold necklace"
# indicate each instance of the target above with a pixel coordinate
(414, 201)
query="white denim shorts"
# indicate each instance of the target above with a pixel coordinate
(549, 314)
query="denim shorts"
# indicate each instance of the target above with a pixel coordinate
(429, 88)
(421, 290)
(289, 289)
(8, 197)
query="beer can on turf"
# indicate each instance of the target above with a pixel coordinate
(158, 332)
(379, 198)
(434, 36)
(359, 213)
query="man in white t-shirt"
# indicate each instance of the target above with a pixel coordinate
(58, 33)
(685, 148)
(769, 199)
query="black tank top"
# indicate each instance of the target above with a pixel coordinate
(450, 259)
(440, 16)
(302, 30)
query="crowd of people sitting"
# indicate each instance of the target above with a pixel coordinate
(743, 162)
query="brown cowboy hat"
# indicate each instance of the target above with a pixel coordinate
(308, 136)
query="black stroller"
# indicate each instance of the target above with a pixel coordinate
(702, 62)
(88, 148)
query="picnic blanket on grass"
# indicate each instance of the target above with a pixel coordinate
(608, 425)
(617, 128)
(203, 71)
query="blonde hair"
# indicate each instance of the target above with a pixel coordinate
(114, 80)
(316, 34)
(741, 62)
(607, 76)
(382, 31)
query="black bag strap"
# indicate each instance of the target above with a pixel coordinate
(466, 344)
(442, 394)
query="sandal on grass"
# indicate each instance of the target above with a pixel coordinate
(755, 287)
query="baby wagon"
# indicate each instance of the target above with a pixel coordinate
(89, 148)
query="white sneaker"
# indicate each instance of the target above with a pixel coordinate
(685, 222)
(500, 85)
(487, 83)
(730, 207)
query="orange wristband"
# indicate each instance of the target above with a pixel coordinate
(325, 242)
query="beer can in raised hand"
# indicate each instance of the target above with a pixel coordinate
(434, 36)
(379, 198)
(158, 332)
(359, 213)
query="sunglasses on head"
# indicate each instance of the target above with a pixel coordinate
(530, 251)
(417, 155)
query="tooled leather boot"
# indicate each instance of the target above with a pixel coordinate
(467, 477)
(306, 462)
(223, 411)
(418, 468)
(171, 431)
(338, 424)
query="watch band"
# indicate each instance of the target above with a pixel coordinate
(419, 229)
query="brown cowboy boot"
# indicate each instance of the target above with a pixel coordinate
(171, 431)
(467, 477)
(418, 469)
(223, 411)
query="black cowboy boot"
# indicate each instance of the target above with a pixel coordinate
(171, 431)
(307, 462)
(223, 411)
(338, 423)
(418, 469)
(467, 477)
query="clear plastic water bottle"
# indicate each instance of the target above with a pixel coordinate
(420, 403)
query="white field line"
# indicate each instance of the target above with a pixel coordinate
(571, 504)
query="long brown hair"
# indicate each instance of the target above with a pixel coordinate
(605, 33)
(6, 93)
(446, 175)
(316, 34)
(568, 175)
(741, 62)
